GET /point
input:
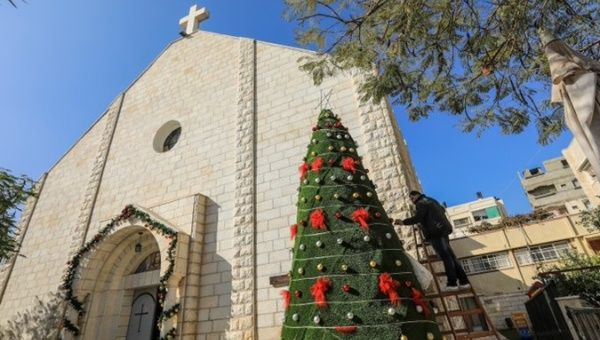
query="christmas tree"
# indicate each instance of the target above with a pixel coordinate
(350, 276)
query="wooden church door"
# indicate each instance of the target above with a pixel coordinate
(144, 311)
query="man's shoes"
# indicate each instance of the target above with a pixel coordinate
(464, 286)
(450, 289)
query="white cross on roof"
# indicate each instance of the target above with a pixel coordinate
(189, 23)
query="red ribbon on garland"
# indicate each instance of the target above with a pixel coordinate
(388, 286)
(317, 164)
(303, 168)
(293, 231)
(349, 164)
(361, 215)
(318, 290)
(317, 219)
(346, 329)
(285, 294)
(417, 298)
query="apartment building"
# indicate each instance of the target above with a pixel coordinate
(555, 187)
(468, 215)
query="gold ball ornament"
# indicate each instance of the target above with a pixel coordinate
(301, 271)
(398, 263)
(404, 337)
(344, 267)
(330, 148)
(343, 149)
(318, 197)
(369, 194)
(313, 153)
(303, 199)
(355, 195)
(430, 336)
(336, 195)
(320, 267)
(373, 264)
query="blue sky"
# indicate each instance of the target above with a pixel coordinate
(63, 62)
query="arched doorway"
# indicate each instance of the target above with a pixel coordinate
(122, 279)
(103, 277)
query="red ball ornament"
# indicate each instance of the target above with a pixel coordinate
(408, 283)
(346, 288)
(298, 294)
(338, 215)
(331, 162)
(378, 215)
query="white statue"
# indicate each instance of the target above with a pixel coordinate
(575, 83)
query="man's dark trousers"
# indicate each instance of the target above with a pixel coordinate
(454, 269)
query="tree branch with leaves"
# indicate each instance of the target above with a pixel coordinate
(481, 61)
(14, 191)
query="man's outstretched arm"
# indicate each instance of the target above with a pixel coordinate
(418, 218)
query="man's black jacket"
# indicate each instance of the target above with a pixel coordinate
(432, 217)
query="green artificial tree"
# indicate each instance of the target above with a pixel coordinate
(350, 277)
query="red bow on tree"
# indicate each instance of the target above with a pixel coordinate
(285, 294)
(346, 329)
(349, 164)
(317, 219)
(361, 215)
(293, 231)
(388, 286)
(317, 164)
(318, 290)
(303, 168)
(417, 298)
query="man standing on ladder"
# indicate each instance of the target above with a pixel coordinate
(435, 228)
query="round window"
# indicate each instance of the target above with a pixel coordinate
(167, 136)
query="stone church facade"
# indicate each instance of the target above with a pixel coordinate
(207, 141)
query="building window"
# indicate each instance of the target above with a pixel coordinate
(461, 222)
(564, 162)
(171, 139)
(537, 254)
(576, 184)
(543, 191)
(167, 136)
(588, 205)
(480, 215)
(151, 262)
(486, 263)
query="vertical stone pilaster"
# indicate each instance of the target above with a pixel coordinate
(191, 294)
(93, 185)
(383, 153)
(243, 295)
(23, 225)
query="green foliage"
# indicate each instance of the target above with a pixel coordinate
(14, 190)
(478, 60)
(342, 252)
(590, 219)
(585, 281)
(42, 321)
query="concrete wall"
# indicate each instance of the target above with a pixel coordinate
(583, 172)
(559, 175)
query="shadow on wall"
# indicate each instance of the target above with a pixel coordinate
(215, 278)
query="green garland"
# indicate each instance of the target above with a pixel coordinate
(169, 313)
(130, 212)
(170, 334)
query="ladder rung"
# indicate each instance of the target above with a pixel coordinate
(455, 331)
(475, 335)
(461, 312)
(431, 258)
(451, 293)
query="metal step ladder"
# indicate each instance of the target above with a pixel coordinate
(460, 313)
